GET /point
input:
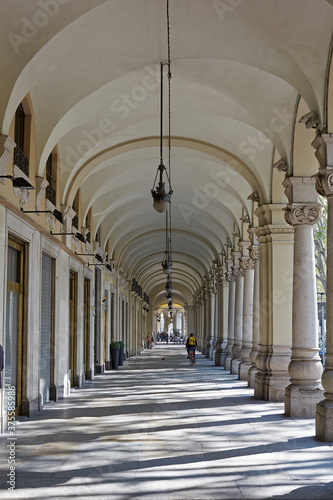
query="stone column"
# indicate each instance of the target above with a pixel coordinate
(275, 239)
(305, 367)
(231, 317)
(324, 185)
(225, 322)
(219, 358)
(195, 314)
(238, 324)
(254, 254)
(210, 312)
(247, 265)
(205, 321)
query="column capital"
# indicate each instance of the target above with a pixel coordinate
(211, 289)
(303, 207)
(254, 252)
(246, 263)
(323, 145)
(298, 214)
(324, 182)
(237, 271)
(229, 276)
(220, 275)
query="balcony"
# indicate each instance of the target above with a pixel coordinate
(21, 161)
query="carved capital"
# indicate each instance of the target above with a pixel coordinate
(246, 263)
(254, 252)
(211, 287)
(324, 182)
(220, 275)
(229, 276)
(23, 194)
(237, 271)
(298, 214)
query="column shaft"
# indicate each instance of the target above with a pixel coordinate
(247, 320)
(255, 326)
(238, 331)
(231, 321)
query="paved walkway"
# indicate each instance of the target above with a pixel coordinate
(158, 429)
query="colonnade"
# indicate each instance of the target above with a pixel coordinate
(266, 301)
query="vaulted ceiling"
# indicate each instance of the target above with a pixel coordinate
(92, 69)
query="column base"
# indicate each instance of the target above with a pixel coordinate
(251, 375)
(301, 402)
(217, 358)
(228, 360)
(261, 386)
(220, 358)
(243, 371)
(57, 392)
(324, 421)
(79, 381)
(277, 387)
(100, 368)
(3, 424)
(234, 369)
(89, 374)
(30, 406)
(108, 365)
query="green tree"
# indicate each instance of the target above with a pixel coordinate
(320, 242)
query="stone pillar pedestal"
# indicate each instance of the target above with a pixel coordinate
(305, 368)
(324, 185)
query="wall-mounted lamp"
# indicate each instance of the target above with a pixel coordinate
(18, 182)
(77, 235)
(57, 214)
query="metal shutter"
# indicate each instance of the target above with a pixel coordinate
(46, 328)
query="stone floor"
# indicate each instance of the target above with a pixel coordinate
(158, 429)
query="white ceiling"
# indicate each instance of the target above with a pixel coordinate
(92, 69)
